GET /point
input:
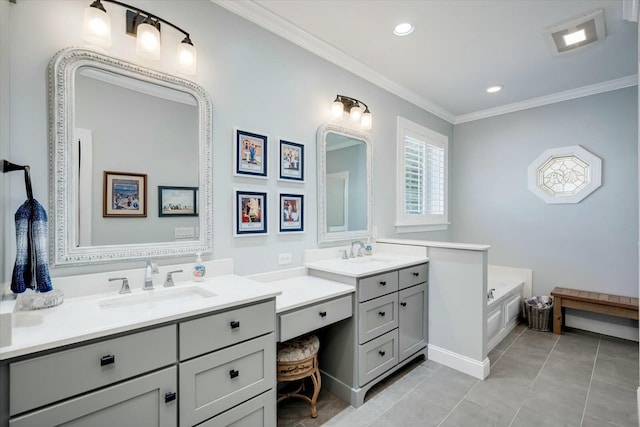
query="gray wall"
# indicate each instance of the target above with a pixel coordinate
(7, 255)
(591, 245)
(257, 81)
(352, 159)
(156, 137)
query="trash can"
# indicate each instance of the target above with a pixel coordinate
(539, 312)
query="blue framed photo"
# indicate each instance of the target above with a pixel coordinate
(291, 213)
(291, 161)
(251, 154)
(250, 211)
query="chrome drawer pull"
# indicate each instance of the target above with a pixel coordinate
(323, 313)
(107, 360)
(381, 353)
(416, 274)
(381, 313)
(169, 396)
(235, 324)
(404, 304)
(383, 283)
(233, 373)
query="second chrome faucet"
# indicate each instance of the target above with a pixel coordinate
(150, 269)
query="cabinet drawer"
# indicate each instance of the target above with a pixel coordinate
(376, 286)
(139, 402)
(314, 317)
(212, 383)
(413, 275)
(220, 330)
(376, 356)
(71, 372)
(258, 412)
(377, 316)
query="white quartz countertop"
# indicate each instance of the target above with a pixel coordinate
(366, 265)
(434, 244)
(88, 317)
(305, 290)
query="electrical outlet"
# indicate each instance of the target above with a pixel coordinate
(184, 232)
(284, 258)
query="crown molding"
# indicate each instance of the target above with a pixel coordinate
(265, 18)
(567, 95)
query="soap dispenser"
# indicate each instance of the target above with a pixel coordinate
(199, 269)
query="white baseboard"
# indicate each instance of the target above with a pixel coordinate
(606, 328)
(475, 368)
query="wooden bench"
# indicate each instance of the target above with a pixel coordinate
(614, 305)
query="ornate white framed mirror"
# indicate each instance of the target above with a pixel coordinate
(344, 184)
(151, 131)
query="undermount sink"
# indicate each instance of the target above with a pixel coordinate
(156, 297)
(368, 260)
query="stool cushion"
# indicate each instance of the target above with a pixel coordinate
(298, 348)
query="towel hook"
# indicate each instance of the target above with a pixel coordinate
(7, 166)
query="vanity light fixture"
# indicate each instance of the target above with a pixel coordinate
(145, 26)
(346, 103)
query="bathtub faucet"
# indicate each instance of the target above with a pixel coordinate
(490, 294)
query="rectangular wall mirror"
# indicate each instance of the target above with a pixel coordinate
(119, 132)
(344, 184)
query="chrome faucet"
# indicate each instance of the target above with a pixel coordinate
(125, 289)
(490, 294)
(359, 253)
(150, 269)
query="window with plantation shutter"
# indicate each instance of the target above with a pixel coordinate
(422, 178)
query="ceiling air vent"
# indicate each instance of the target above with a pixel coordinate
(576, 33)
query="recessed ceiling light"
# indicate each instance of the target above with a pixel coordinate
(403, 29)
(576, 33)
(575, 37)
(494, 89)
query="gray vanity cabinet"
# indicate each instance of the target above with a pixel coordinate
(226, 359)
(218, 368)
(390, 327)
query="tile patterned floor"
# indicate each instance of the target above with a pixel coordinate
(537, 379)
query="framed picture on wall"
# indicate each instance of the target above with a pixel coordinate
(124, 194)
(177, 201)
(291, 161)
(291, 213)
(250, 153)
(250, 212)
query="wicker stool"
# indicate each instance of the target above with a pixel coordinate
(297, 360)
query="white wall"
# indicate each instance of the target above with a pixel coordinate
(257, 81)
(592, 245)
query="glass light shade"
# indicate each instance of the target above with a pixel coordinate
(186, 57)
(365, 121)
(97, 27)
(148, 42)
(337, 110)
(355, 114)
